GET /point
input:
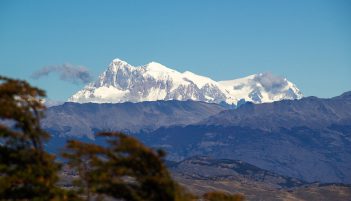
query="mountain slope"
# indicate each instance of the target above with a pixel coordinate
(74, 119)
(311, 112)
(202, 174)
(288, 137)
(122, 82)
(206, 168)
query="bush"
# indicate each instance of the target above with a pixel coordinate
(221, 196)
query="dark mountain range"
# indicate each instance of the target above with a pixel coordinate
(309, 139)
(308, 112)
(83, 120)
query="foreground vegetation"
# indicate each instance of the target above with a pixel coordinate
(124, 169)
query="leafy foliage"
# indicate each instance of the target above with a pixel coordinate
(27, 172)
(124, 169)
(221, 196)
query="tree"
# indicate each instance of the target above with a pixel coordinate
(27, 172)
(124, 169)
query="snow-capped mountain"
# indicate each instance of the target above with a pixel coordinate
(260, 88)
(122, 82)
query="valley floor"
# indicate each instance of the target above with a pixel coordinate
(260, 192)
(252, 190)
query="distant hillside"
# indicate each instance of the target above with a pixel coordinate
(206, 168)
(78, 120)
(203, 174)
(309, 139)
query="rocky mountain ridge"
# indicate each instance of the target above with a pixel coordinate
(83, 120)
(122, 82)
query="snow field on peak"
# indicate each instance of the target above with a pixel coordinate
(122, 82)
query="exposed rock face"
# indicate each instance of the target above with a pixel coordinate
(122, 82)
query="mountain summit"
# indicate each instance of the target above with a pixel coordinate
(122, 82)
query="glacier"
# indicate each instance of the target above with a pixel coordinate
(122, 82)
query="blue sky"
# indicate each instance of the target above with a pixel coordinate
(307, 41)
